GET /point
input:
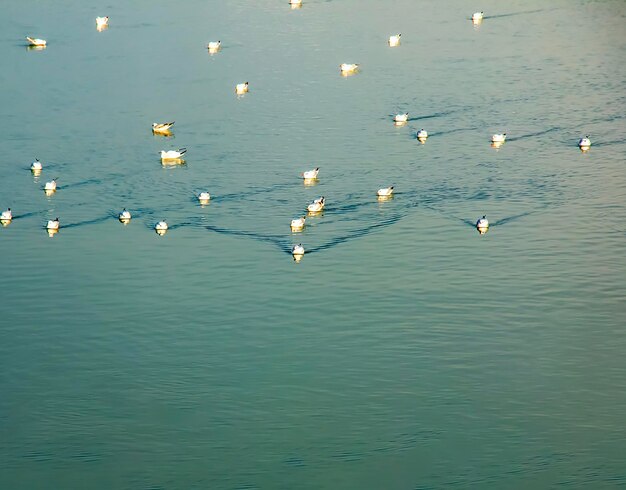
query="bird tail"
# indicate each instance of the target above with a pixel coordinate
(182, 151)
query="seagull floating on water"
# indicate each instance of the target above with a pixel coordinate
(102, 21)
(394, 40)
(401, 118)
(161, 226)
(498, 138)
(51, 186)
(311, 174)
(584, 143)
(53, 224)
(317, 205)
(482, 225)
(204, 197)
(36, 165)
(162, 127)
(36, 42)
(385, 192)
(125, 216)
(297, 250)
(295, 2)
(422, 134)
(298, 223)
(214, 46)
(6, 215)
(477, 16)
(241, 88)
(173, 154)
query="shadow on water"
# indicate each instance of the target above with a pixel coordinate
(450, 131)
(28, 215)
(532, 135)
(80, 184)
(88, 222)
(500, 222)
(236, 196)
(278, 241)
(512, 14)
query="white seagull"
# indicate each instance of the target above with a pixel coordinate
(173, 154)
(584, 143)
(295, 2)
(213, 46)
(297, 250)
(394, 40)
(422, 134)
(298, 223)
(102, 21)
(498, 138)
(161, 226)
(482, 225)
(162, 127)
(36, 42)
(317, 205)
(241, 88)
(125, 216)
(53, 224)
(36, 165)
(204, 197)
(348, 67)
(311, 174)
(477, 16)
(385, 192)
(51, 186)
(401, 118)
(6, 215)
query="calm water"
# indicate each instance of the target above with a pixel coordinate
(405, 351)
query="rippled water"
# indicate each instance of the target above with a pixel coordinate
(405, 350)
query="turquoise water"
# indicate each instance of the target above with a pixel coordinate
(404, 350)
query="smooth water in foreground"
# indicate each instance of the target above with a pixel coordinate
(405, 350)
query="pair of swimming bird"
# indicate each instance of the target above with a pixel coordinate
(164, 128)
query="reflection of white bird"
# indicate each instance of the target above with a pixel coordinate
(584, 143)
(498, 138)
(36, 41)
(6, 215)
(348, 67)
(204, 197)
(316, 205)
(53, 224)
(173, 154)
(422, 134)
(36, 165)
(161, 226)
(298, 223)
(385, 192)
(297, 249)
(51, 186)
(477, 16)
(401, 118)
(241, 88)
(311, 174)
(162, 127)
(482, 225)
(214, 45)
(102, 21)
(394, 40)
(124, 215)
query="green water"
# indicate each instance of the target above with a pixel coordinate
(404, 351)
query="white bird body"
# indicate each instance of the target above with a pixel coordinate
(36, 165)
(348, 67)
(36, 42)
(317, 205)
(394, 40)
(477, 16)
(482, 225)
(584, 143)
(214, 45)
(6, 215)
(401, 118)
(161, 226)
(162, 127)
(241, 88)
(385, 192)
(422, 134)
(311, 174)
(53, 224)
(125, 215)
(298, 223)
(102, 21)
(297, 249)
(498, 138)
(295, 2)
(204, 197)
(51, 186)
(173, 154)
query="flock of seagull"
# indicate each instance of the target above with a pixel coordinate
(310, 176)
